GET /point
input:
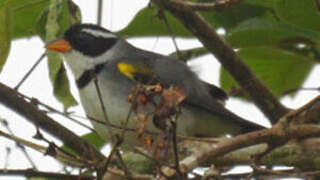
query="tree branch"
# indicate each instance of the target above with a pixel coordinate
(198, 26)
(10, 98)
(301, 154)
(286, 130)
(30, 173)
(275, 135)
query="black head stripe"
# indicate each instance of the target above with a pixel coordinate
(87, 43)
(87, 76)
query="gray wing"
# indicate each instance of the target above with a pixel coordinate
(199, 94)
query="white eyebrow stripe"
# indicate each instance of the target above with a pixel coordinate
(99, 33)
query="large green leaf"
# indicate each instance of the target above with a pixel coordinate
(302, 13)
(280, 70)
(147, 23)
(229, 17)
(58, 19)
(25, 14)
(5, 32)
(266, 4)
(261, 32)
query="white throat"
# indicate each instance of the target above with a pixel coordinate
(80, 63)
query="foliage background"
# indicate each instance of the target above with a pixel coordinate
(278, 44)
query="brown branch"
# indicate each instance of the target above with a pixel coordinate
(32, 173)
(275, 174)
(19, 145)
(198, 26)
(308, 113)
(65, 158)
(193, 6)
(301, 154)
(275, 135)
(9, 98)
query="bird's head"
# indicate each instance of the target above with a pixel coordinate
(84, 46)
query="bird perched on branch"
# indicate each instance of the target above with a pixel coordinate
(93, 52)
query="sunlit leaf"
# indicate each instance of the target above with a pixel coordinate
(58, 20)
(260, 32)
(280, 70)
(147, 23)
(5, 32)
(25, 14)
(93, 138)
(302, 13)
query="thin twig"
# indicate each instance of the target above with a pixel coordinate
(99, 15)
(29, 173)
(122, 138)
(115, 142)
(127, 119)
(175, 145)
(104, 110)
(111, 13)
(19, 145)
(299, 89)
(15, 102)
(113, 151)
(6, 160)
(120, 127)
(41, 137)
(127, 173)
(61, 156)
(51, 109)
(30, 71)
(173, 37)
(270, 174)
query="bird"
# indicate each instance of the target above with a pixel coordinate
(91, 49)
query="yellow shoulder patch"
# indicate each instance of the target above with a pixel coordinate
(131, 71)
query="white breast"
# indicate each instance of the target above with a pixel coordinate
(191, 122)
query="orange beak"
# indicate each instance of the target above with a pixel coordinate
(60, 45)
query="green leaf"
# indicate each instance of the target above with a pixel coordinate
(93, 138)
(147, 23)
(302, 13)
(261, 32)
(230, 16)
(280, 70)
(62, 89)
(58, 20)
(266, 4)
(25, 14)
(5, 32)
